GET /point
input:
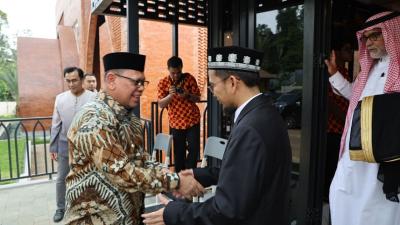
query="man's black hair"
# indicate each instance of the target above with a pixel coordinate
(72, 69)
(251, 79)
(174, 62)
(89, 74)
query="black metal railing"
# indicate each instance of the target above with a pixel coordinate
(23, 148)
(24, 145)
(157, 115)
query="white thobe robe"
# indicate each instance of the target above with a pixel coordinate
(356, 196)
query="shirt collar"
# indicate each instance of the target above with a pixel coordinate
(241, 107)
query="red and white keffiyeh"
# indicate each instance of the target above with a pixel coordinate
(391, 35)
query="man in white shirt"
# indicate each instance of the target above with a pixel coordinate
(356, 195)
(66, 105)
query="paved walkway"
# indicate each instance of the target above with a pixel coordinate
(32, 204)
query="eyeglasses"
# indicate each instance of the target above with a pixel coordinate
(135, 82)
(212, 85)
(372, 37)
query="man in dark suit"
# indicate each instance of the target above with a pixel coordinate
(253, 181)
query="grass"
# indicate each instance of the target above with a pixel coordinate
(40, 141)
(7, 116)
(5, 159)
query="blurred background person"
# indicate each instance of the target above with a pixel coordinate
(179, 93)
(67, 104)
(90, 82)
(337, 108)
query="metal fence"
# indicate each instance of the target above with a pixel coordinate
(24, 148)
(24, 144)
(157, 115)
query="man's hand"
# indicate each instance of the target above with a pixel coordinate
(53, 156)
(331, 63)
(156, 218)
(184, 95)
(172, 90)
(188, 186)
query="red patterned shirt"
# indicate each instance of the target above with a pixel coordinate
(337, 105)
(182, 112)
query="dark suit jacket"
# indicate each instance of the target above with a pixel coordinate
(253, 182)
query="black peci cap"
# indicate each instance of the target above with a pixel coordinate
(124, 60)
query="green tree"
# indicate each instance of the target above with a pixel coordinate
(284, 49)
(289, 39)
(8, 75)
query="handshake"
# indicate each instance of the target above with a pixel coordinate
(188, 186)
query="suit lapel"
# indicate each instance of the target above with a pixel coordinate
(256, 102)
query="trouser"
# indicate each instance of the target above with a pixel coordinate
(332, 156)
(62, 172)
(180, 136)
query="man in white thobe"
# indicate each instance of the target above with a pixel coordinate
(356, 195)
(66, 105)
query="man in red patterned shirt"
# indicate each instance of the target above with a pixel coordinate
(179, 93)
(337, 108)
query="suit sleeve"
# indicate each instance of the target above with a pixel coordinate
(206, 176)
(237, 189)
(56, 125)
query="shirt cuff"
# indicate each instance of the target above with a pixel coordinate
(337, 80)
(173, 181)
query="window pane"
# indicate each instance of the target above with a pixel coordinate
(279, 34)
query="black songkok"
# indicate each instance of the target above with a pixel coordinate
(124, 60)
(234, 58)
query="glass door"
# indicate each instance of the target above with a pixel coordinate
(279, 34)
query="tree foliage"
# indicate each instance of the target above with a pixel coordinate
(284, 49)
(8, 75)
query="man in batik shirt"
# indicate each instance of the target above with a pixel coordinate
(109, 171)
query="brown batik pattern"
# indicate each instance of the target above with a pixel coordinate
(109, 168)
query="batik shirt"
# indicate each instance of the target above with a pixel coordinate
(109, 167)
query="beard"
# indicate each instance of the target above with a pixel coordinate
(377, 53)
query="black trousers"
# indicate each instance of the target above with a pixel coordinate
(180, 137)
(332, 156)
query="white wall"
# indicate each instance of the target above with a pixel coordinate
(7, 108)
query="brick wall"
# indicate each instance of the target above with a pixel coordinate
(40, 77)
(155, 42)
